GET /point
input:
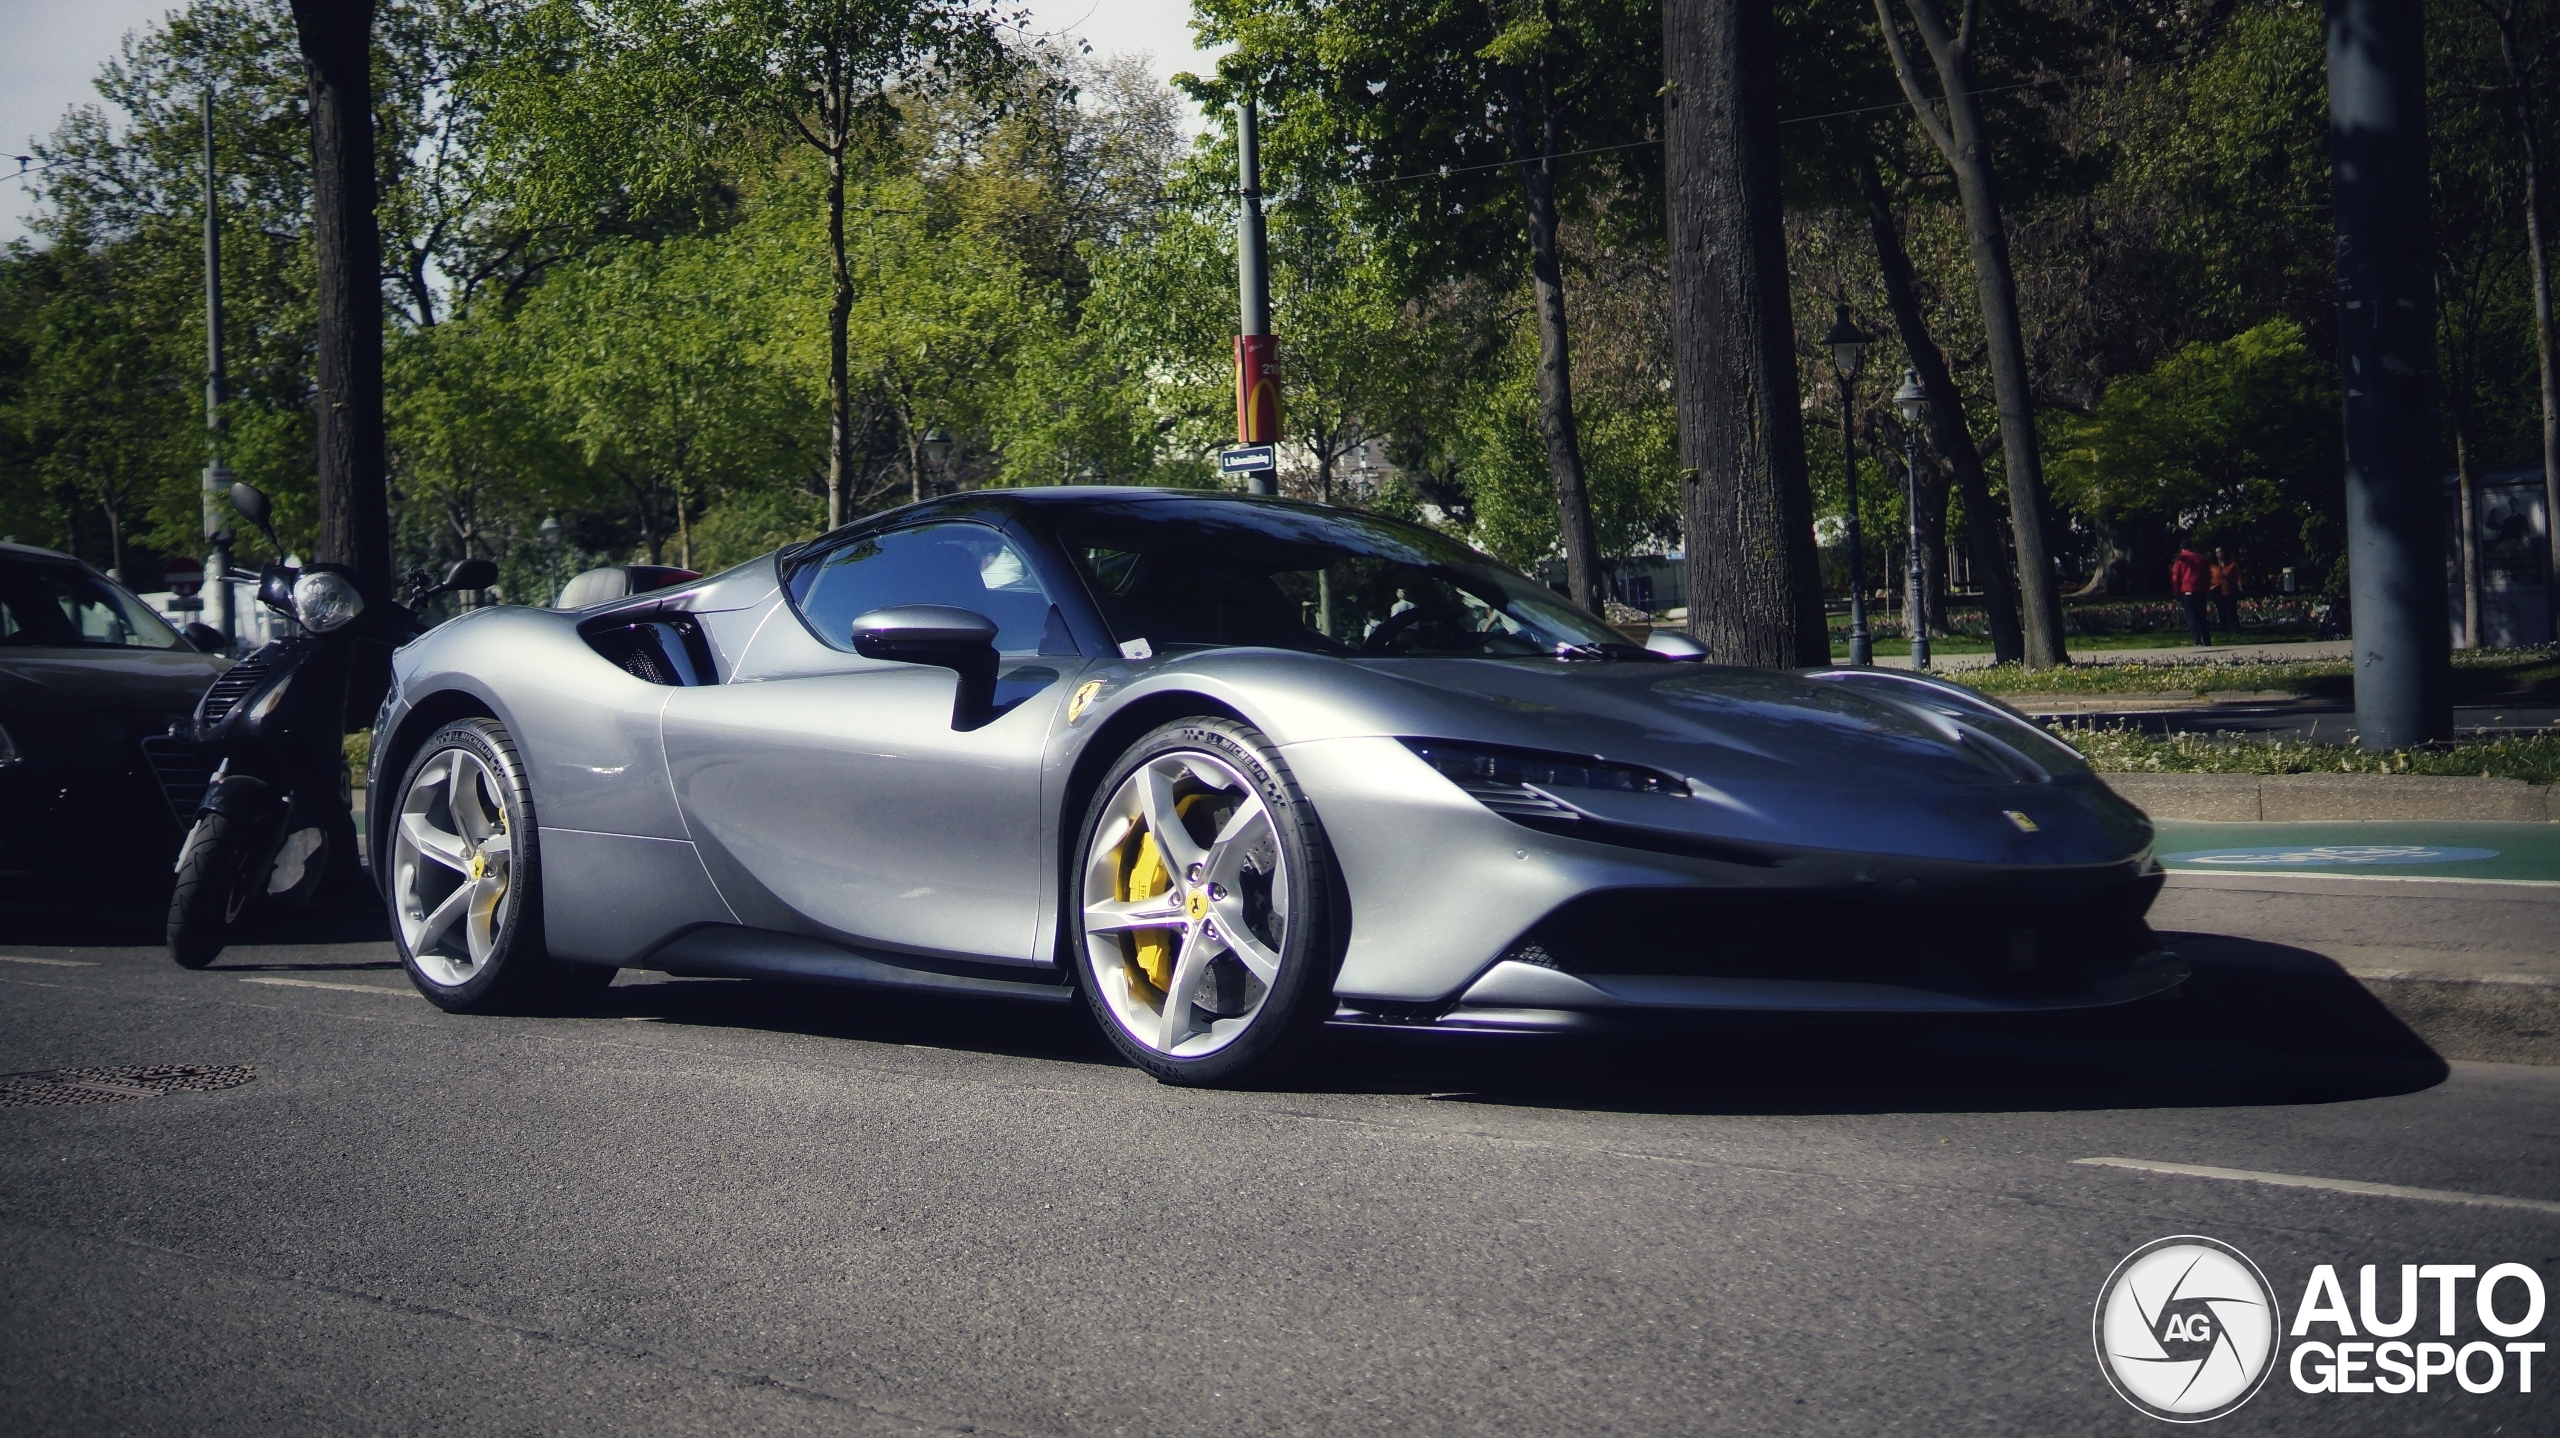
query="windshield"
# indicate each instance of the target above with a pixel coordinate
(58, 606)
(1285, 576)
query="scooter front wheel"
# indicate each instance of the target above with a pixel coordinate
(212, 892)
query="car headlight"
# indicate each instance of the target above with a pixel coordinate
(325, 601)
(1500, 778)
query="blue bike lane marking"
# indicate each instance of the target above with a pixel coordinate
(2503, 852)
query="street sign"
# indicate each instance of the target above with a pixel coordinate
(1247, 459)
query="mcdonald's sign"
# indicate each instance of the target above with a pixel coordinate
(1257, 390)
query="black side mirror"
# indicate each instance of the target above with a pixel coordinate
(471, 574)
(252, 504)
(205, 637)
(940, 635)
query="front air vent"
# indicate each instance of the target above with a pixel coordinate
(232, 686)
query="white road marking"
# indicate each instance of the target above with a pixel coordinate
(342, 988)
(55, 963)
(2333, 1185)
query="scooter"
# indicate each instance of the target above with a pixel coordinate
(276, 822)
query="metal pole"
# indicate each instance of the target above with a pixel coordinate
(2386, 324)
(1914, 612)
(1861, 646)
(1257, 358)
(217, 479)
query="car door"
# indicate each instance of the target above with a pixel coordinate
(830, 794)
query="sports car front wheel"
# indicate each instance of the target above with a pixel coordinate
(1206, 931)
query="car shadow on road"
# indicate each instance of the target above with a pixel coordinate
(2258, 1024)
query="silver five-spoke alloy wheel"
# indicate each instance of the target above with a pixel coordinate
(1186, 904)
(452, 863)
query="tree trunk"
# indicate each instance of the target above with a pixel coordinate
(1555, 357)
(839, 344)
(355, 514)
(1962, 140)
(1948, 431)
(1755, 585)
(2538, 256)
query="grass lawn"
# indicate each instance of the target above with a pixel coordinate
(1897, 646)
(2535, 759)
(2477, 674)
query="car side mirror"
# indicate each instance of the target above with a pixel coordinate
(205, 637)
(471, 574)
(945, 637)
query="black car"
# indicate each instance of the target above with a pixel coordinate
(91, 784)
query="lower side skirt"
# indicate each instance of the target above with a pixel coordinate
(722, 951)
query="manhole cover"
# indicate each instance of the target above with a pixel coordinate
(107, 1085)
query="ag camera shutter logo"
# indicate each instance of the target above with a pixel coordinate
(2186, 1328)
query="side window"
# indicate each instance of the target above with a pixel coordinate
(967, 566)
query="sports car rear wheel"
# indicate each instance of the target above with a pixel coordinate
(1206, 925)
(464, 871)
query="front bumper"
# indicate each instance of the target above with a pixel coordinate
(1463, 917)
(1519, 997)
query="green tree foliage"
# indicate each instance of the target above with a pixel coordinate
(2238, 438)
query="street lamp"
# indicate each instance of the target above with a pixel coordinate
(1848, 346)
(1913, 401)
(550, 528)
(937, 446)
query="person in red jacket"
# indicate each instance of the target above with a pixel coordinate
(2226, 591)
(2191, 576)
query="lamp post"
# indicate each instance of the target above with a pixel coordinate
(1848, 346)
(551, 554)
(217, 478)
(1913, 401)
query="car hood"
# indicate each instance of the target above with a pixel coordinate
(103, 680)
(1865, 760)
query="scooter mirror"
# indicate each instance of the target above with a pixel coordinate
(252, 504)
(471, 574)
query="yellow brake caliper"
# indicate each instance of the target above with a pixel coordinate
(1143, 875)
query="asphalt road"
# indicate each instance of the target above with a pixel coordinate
(718, 1207)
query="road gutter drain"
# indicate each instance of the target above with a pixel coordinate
(110, 1085)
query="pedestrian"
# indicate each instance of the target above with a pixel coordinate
(2225, 580)
(2191, 576)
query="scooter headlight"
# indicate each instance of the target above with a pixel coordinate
(325, 601)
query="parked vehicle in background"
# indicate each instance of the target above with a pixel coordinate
(274, 821)
(92, 784)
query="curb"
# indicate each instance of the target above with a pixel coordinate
(2290, 798)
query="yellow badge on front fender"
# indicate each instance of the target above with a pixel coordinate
(1082, 698)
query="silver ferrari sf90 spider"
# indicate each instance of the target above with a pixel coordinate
(1229, 769)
